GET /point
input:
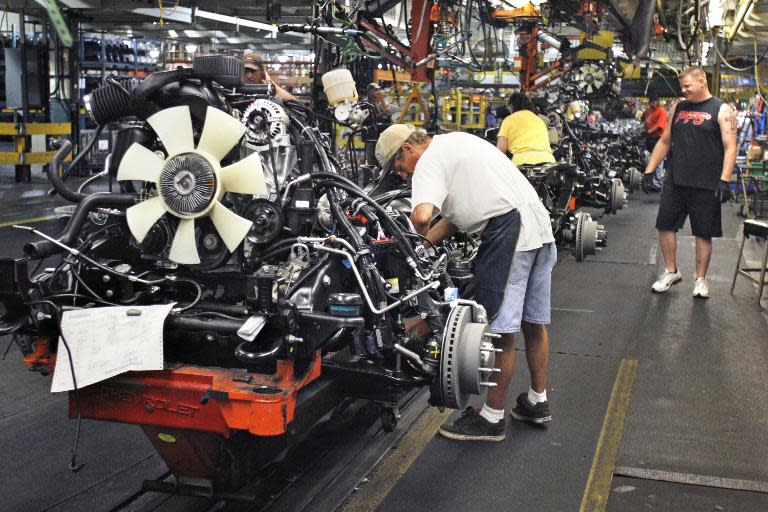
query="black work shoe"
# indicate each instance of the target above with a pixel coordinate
(473, 427)
(526, 411)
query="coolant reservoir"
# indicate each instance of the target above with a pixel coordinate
(339, 86)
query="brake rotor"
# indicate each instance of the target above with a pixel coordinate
(586, 236)
(466, 358)
(621, 195)
(635, 177)
(616, 197)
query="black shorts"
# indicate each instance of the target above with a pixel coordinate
(650, 143)
(701, 205)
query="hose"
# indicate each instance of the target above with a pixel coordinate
(343, 183)
(64, 149)
(70, 232)
(251, 357)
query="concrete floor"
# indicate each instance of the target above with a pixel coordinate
(696, 407)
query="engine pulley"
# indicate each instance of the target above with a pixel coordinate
(267, 218)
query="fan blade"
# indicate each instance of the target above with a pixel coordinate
(597, 83)
(231, 227)
(174, 127)
(220, 133)
(245, 176)
(142, 217)
(184, 246)
(588, 89)
(584, 69)
(140, 163)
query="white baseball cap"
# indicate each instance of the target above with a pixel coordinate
(390, 141)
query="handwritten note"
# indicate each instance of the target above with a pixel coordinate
(109, 341)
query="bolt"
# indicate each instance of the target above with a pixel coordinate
(109, 293)
(150, 408)
(210, 337)
(106, 278)
(43, 316)
(327, 280)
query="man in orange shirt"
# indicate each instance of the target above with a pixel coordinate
(655, 120)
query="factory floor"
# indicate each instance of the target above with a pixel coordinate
(658, 403)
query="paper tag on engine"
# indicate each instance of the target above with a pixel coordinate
(104, 342)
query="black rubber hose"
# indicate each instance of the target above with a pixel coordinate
(251, 357)
(151, 85)
(71, 167)
(220, 325)
(64, 148)
(335, 180)
(44, 248)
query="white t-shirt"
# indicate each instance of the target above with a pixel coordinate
(471, 181)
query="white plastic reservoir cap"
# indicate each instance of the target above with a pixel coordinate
(339, 86)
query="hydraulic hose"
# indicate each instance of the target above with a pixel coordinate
(43, 249)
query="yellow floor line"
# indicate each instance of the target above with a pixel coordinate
(387, 475)
(28, 221)
(600, 476)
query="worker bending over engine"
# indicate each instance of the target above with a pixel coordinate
(476, 189)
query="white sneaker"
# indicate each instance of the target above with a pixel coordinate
(701, 288)
(666, 281)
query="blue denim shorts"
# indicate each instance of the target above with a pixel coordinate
(528, 290)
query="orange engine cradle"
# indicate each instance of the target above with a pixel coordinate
(205, 399)
(214, 425)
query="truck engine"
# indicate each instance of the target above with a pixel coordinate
(282, 273)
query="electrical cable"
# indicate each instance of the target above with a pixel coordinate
(198, 288)
(73, 465)
(733, 68)
(89, 289)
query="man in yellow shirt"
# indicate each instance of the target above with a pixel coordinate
(523, 134)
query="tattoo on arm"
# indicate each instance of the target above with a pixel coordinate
(731, 122)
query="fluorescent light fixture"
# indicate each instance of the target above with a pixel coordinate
(190, 47)
(172, 33)
(235, 20)
(186, 15)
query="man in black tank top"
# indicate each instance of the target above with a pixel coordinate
(701, 134)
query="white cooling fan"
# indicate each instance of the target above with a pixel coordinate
(591, 78)
(191, 182)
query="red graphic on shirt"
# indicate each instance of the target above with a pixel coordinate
(696, 117)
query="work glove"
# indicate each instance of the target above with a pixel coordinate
(723, 191)
(647, 182)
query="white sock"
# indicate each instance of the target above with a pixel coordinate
(492, 415)
(535, 397)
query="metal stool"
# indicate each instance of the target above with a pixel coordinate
(759, 229)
